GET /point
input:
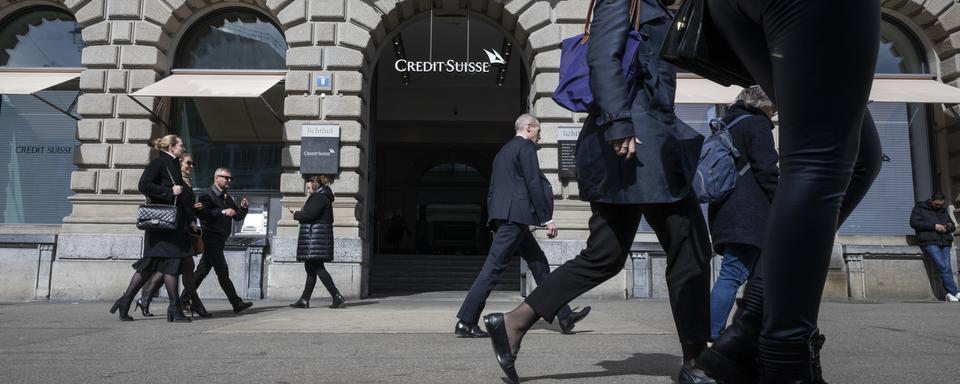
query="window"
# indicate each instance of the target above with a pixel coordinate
(42, 37)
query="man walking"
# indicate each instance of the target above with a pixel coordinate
(220, 209)
(935, 233)
(519, 196)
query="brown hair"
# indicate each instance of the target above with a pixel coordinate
(318, 181)
(164, 143)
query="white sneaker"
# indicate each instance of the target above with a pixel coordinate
(952, 298)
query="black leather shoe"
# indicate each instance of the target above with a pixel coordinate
(144, 307)
(123, 307)
(692, 375)
(301, 304)
(501, 346)
(566, 325)
(469, 330)
(337, 301)
(241, 306)
(196, 306)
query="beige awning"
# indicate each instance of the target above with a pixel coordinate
(211, 85)
(29, 82)
(703, 91)
(913, 91)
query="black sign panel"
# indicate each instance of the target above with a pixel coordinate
(567, 143)
(320, 149)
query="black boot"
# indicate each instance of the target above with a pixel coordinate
(123, 304)
(301, 303)
(792, 362)
(733, 356)
(143, 304)
(197, 307)
(337, 301)
(175, 314)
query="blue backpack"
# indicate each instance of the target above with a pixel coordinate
(717, 171)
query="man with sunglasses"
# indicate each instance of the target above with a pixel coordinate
(220, 209)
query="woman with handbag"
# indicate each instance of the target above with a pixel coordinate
(315, 241)
(164, 249)
(186, 267)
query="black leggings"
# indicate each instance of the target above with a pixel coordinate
(314, 270)
(816, 60)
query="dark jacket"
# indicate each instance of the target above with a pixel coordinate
(315, 242)
(215, 223)
(518, 190)
(923, 220)
(665, 162)
(156, 183)
(742, 217)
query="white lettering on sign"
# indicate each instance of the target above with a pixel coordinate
(320, 130)
(451, 66)
(568, 133)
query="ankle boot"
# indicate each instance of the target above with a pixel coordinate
(301, 303)
(175, 314)
(197, 306)
(792, 362)
(143, 304)
(337, 301)
(733, 356)
(122, 304)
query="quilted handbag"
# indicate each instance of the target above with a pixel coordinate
(573, 91)
(693, 43)
(158, 217)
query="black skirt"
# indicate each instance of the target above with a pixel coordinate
(147, 266)
(167, 244)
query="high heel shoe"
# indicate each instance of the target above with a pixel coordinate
(144, 307)
(124, 307)
(501, 346)
(197, 306)
(337, 301)
(175, 314)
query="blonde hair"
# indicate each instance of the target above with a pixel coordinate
(165, 143)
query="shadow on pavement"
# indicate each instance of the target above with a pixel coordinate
(643, 364)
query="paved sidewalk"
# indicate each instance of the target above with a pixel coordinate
(408, 339)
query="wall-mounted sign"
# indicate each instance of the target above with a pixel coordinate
(451, 66)
(567, 143)
(320, 149)
(324, 82)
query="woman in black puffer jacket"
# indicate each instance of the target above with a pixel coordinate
(315, 242)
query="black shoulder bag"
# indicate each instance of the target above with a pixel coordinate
(693, 43)
(158, 217)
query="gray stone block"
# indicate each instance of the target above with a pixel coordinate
(572, 11)
(140, 78)
(292, 131)
(324, 33)
(949, 46)
(300, 35)
(93, 80)
(150, 34)
(548, 159)
(302, 106)
(130, 180)
(109, 180)
(545, 39)
(350, 132)
(94, 104)
(932, 9)
(291, 183)
(535, 17)
(99, 246)
(128, 108)
(349, 82)
(305, 58)
(277, 5)
(92, 155)
(328, 10)
(343, 58)
(339, 107)
(549, 110)
(139, 130)
(117, 80)
(83, 181)
(158, 12)
(113, 130)
(124, 9)
(19, 272)
(142, 56)
(365, 15)
(349, 157)
(96, 34)
(293, 14)
(91, 13)
(290, 156)
(131, 155)
(88, 279)
(298, 81)
(348, 183)
(353, 36)
(548, 61)
(545, 83)
(121, 32)
(88, 130)
(100, 56)
(947, 23)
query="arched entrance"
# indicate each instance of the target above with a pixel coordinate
(444, 95)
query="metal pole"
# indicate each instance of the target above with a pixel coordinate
(56, 107)
(273, 111)
(152, 113)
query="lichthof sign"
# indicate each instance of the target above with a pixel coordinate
(451, 66)
(567, 143)
(320, 149)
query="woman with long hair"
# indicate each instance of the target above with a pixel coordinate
(315, 241)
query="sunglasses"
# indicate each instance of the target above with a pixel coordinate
(190, 163)
(228, 178)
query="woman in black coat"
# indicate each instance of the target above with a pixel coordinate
(738, 223)
(164, 251)
(315, 241)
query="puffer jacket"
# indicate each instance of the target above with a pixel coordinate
(924, 219)
(315, 242)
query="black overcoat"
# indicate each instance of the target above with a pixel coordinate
(156, 183)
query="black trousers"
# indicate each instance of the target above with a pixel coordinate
(510, 238)
(213, 259)
(314, 270)
(815, 59)
(683, 235)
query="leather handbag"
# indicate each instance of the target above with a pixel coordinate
(573, 91)
(198, 246)
(694, 43)
(158, 217)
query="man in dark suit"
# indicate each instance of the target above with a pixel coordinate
(634, 159)
(219, 211)
(519, 196)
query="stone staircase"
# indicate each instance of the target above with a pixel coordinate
(420, 273)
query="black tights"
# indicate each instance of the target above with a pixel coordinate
(137, 282)
(815, 59)
(314, 270)
(186, 271)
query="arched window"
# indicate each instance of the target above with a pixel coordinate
(238, 133)
(907, 171)
(34, 136)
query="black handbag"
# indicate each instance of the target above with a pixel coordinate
(158, 217)
(693, 43)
